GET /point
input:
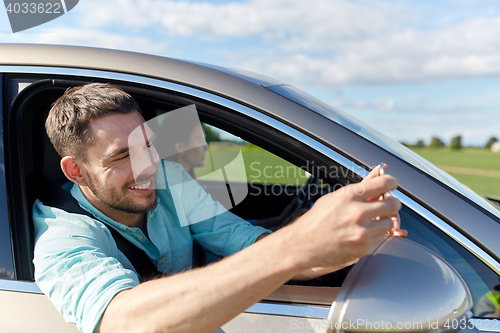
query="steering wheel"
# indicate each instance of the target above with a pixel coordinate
(298, 206)
(304, 198)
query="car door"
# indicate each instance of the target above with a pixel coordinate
(28, 155)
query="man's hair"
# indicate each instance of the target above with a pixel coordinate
(68, 121)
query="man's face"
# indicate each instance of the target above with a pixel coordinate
(193, 154)
(108, 169)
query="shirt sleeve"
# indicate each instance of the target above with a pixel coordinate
(76, 265)
(212, 226)
(226, 233)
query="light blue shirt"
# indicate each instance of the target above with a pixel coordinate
(79, 267)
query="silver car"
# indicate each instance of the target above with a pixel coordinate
(296, 148)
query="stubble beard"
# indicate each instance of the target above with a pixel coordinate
(114, 201)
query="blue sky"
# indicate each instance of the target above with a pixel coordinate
(411, 69)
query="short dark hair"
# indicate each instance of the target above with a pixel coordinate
(67, 124)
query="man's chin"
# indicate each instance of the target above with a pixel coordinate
(152, 202)
(138, 206)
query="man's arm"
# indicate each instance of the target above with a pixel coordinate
(314, 272)
(341, 227)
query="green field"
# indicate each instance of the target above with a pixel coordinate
(261, 166)
(477, 168)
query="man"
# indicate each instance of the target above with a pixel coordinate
(78, 265)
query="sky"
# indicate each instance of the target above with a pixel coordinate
(410, 69)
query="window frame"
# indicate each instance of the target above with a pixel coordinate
(7, 245)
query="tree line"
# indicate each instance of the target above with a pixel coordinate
(455, 143)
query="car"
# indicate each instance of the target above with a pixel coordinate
(295, 148)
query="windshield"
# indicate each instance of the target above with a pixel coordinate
(379, 139)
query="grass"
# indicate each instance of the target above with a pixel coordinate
(480, 184)
(477, 168)
(474, 158)
(260, 166)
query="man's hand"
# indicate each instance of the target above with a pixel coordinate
(346, 224)
(395, 231)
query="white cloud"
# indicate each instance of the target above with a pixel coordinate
(467, 49)
(381, 105)
(315, 42)
(361, 42)
(5, 274)
(128, 13)
(85, 37)
(313, 18)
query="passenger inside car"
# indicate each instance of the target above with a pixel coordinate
(184, 142)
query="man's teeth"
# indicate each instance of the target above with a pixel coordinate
(141, 187)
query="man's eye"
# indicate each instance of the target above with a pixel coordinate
(122, 157)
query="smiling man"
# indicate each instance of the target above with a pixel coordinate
(95, 285)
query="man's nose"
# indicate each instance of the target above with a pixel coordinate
(144, 161)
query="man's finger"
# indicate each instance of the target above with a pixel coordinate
(377, 231)
(383, 209)
(399, 232)
(397, 221)
(375, 172)
(375, 187)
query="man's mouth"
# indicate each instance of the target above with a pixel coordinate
(142, 186)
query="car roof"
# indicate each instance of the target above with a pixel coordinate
(232, 82)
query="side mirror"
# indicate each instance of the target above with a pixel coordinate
(401, 287)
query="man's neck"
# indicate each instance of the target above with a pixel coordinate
(186, 165)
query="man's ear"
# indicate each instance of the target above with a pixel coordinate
(180, 147)
(72, 169)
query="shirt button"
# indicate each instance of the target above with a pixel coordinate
(163, 261)
(139, 238)
(128, 230)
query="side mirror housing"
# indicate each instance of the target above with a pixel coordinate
(401, 287)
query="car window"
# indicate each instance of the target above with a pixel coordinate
(480, 279)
